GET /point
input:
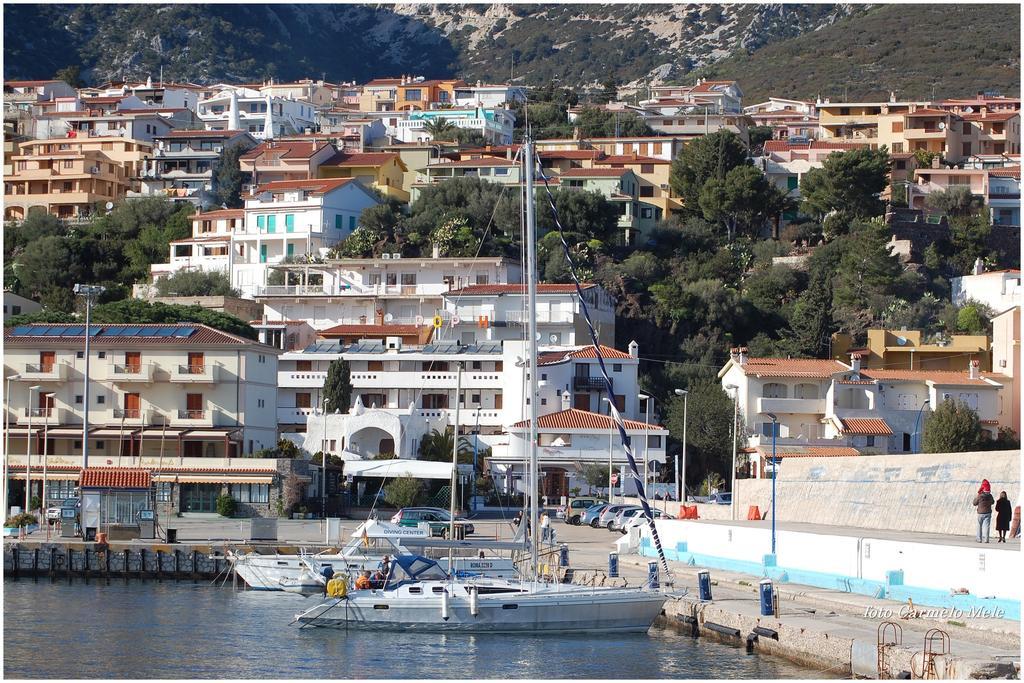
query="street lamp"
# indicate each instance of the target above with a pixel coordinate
(735, 438)
(775, 471)
(91, 293)
(476, 444)
(323, 466)
(917, 423)
(611, 432)
(681, 472)
(28, 449)
(647, 413)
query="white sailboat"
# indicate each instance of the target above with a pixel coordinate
(420, 595)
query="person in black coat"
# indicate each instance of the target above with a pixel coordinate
(1003, 514)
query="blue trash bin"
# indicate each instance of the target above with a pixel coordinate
(563, 556)
(613, 565)
(767, 598)
(652, 574)
(704, 585)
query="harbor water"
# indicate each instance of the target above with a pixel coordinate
(184, 630)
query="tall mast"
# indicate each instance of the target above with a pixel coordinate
(531, 327)
(455, 461)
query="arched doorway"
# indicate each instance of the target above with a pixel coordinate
(386, 445)
(370, 442)
(554, 483)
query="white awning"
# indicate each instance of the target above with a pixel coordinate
(418, 469)
(205, 434)
(37, 474)
(111, 432)
(158, 432)
(64, 432)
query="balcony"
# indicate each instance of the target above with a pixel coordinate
(43, 416)
(207, 373)
(295, 415)
(135, 416)
(802, 406)
(924, 133)
(156, 464)
(542, 317)
(301, 380)
(192, 418)
(588, 383)
(292, 290)
(471, 379)
(44, 372)
(142, 372)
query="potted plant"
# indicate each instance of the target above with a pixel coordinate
(24, 520)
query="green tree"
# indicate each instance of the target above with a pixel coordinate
(974, 318)
(338, 386)
(470, 138)
(956, 201)
(72, 75)
(225, 505)
(440, 129)
(403, 492)
(49, 263)
(227, 177)
(195, 283)
(708, 429)
(595, 475)
(968, 241)
(953, 427)
(848, 182)
(437, 447)
(865, 279)
(758, 135)
(743, 200)
(706, 158)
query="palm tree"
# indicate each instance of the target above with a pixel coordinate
(441, 129)
(437, 446)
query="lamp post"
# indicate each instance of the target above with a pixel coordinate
(735, 437)
(775, 471)
(476, 445)
(917, 423)
(611, 432)
(681, 471)
(323, 466)
(28, 449)
(647, 414)
(91, 293)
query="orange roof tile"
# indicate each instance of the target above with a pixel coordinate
(289, 150)
(371, 330)
(866, 426)
(1006, 172)
(787, 146)
(935, 376)
(630, 159)
(792, 367)
(809, 451)
(219, 213)
(114, 478)
(574, 418)
(361, 159)
(594, 172)
(990, 116)
(315, 185)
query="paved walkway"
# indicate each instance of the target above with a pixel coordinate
(886, 534)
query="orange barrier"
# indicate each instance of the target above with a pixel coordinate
(689, 512)
(754, 512)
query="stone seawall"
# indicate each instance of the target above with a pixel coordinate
(90, 559)
(929, 493)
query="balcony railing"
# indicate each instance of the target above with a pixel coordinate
(192, 414)
(588, 383)
(808, 406)
(42, 416)
(206, 372)
(132, 372)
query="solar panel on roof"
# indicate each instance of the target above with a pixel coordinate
(112, 332)
(166, 332)
(54, 331)
(93, 331)
(74, 331)
(130, 331)
(149, 331)
(21, 331)
(184, 331)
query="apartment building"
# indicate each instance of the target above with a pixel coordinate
(717, 96)
(786, 117)
(69, 178)
(182, 164)
(621, 187)
(1006, 360)
(497, 312)
(400, 394)
(495, 125)
(261, 115)
(275, 160)
(858, 121)
(488, 95)
(319, 93)
(493, 169)
(378, 291)
(908, 350)
(1000, 290)
(998, 188)
(184, 401)
(825, 408)
(283, 221)
(380, 171)
(407, 93)
(136, 124)
(784, 162)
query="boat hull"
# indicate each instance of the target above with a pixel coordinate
(625, 611)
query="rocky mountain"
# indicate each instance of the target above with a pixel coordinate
(574, 45)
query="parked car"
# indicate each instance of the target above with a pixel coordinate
(720, 498)
(572, 512)
(636, 518)
(53, 514)
(608, 515)
(621, 515)
(592, 513)
(439, 520)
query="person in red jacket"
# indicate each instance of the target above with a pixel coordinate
(984, 502)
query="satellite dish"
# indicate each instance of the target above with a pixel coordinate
(553, 338)
(388, 318)
(902, 341)
(109, 205)
(942, 125)
(968, 110)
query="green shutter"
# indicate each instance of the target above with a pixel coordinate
(351, 222)
(290, 250)
(263, 253)
(271, 223)
(337, 222)
(289, 222)
(791, 182)
(259, 222)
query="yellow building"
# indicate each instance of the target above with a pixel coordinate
(407, 94)
(70, 177)
(382, 171)
(857, 121)
(905, 350)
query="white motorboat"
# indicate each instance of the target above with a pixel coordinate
(370, 542)
(419, 595)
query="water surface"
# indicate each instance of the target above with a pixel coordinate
(184, 630)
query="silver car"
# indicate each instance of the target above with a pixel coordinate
(608, 515)
(637, 518)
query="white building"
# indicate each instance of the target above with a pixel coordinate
(283, 221)
(401, 393)
(15, 304)
(261, 115)
(489, 312)
(998, 289)
(496, 125)
(184, 401)
(827, 408)
(392, 290)
(484, 95)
